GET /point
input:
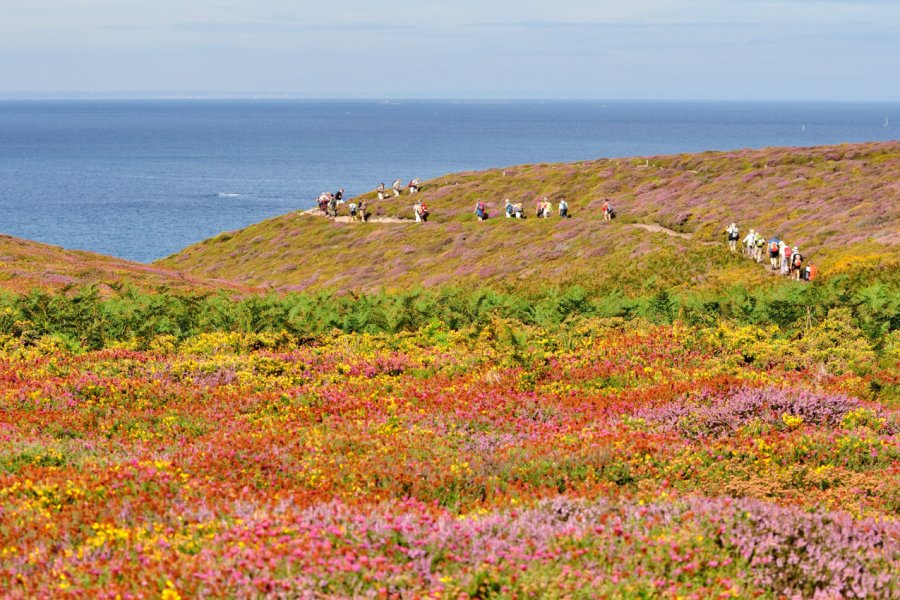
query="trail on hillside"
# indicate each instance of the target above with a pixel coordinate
(314, 212)
(657, 228)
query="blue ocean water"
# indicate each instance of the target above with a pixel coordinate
(143, 179)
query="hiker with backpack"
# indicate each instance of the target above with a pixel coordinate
(810, 272)
(732, 234)
(396, 187)
(480, 211)
(519, 209)
(362, 211)
(422, 214)
(332, 206)
(608, 211)
(352, 208)
(380, 190)
(339, 196)
(759, 245)
(774, 251)
(414, 186)
(796, 263)
(563, 208)
(749, 241)
(508, 209)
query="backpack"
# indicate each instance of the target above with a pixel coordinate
(773, 247)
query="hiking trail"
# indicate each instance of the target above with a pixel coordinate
(657, 228)
(315, 212)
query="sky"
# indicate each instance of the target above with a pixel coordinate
(479, 49)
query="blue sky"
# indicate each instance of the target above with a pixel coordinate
(652, 49)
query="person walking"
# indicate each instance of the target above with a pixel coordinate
(480, 211)
(796, 263)
(774, 252)
(397, 186)
(732, 234)
(563, 208)
(362, 211)
(607, 210)
(749, 241)
(785, 253)
(380, 190)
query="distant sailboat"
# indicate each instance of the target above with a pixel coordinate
(803, 128)
(885, 122)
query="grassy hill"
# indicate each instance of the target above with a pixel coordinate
(840, 204)
(27, 265)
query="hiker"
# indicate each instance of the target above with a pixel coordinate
(339, 196)
(352, 211)
(563, 208)
(422, 215)
(332, 206)
(323, 203)
(414, 186)
(774, 251)
(759, 243)
(810, 272)
(608, 211)
(480, 211)
(796, 263)
(397, 185)
(362, 211)
(749, 241)
(732, 233)
(519, 210)
(785, 254)
(509, 209)
(380, 190)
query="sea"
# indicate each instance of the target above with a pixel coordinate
(142, 179)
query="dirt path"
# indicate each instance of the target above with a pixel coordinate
(656, 228)
(315, 212)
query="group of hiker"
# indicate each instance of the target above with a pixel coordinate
(782, 257)
(413, 186)
(329, 202)
(543, 209)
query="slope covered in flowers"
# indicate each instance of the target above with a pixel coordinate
(840, 205)
(601, 458)
(27, 265)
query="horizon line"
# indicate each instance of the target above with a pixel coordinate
(274, 96)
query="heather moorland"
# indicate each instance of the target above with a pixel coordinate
(564, 408)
